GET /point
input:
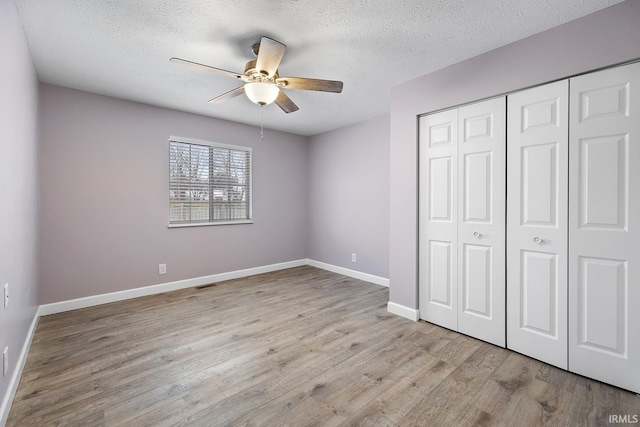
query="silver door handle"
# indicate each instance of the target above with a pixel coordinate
(538, 241)
(477, 235)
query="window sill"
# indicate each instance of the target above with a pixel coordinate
(206, 224)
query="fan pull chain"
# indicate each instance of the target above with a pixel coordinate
(261, 124)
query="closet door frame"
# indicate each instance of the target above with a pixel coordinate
(566, 277)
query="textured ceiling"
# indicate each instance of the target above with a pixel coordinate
(122, 48)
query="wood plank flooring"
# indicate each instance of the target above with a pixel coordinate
(295, 347)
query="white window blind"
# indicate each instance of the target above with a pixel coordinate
(209, 183)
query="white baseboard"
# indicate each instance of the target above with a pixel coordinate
(74, 304)
(401, 310)
(17, 372)
(351, 273)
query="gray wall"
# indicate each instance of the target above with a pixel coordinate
(104, 197)
(18, 186)
(349, 197)
(606, 37)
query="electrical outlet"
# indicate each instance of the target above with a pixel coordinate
(5, 361)
(6, 295)
(162, 269)
(353, 258)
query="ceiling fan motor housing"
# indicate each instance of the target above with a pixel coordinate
(256, 75)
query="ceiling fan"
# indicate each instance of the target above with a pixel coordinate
(262, 83)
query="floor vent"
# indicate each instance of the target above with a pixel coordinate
(210, 285)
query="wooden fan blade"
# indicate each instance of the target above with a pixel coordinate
(228, 95)
(206, 67)
(284, 102)
(301, 83)
(270, 54)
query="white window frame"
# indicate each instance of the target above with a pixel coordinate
(249, 150)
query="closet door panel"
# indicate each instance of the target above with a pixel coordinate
(438, 246)
(537, 176)
(539, 185)
(481, 220)
(604, 227)
(602, 193)
(539, 293)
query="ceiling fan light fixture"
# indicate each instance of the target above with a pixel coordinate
(262, 82)
(261, 93)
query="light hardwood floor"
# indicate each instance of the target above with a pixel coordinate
(296, 347)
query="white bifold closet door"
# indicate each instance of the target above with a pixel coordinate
(438, 224)
(462, 219)
(604, 226)
(537, 177)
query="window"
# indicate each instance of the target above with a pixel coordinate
(209, 183)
